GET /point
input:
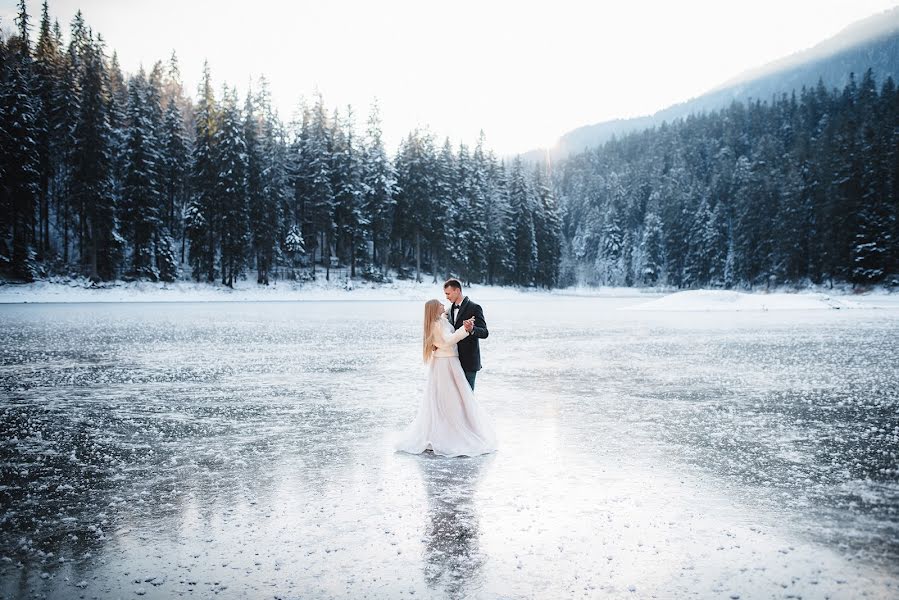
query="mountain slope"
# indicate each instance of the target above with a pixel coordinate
(871, 43)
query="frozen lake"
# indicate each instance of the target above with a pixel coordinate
(244, 449)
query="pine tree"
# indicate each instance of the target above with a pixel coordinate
(47, 73)
(446, 218)
(476, 222)
(379, 185)
(5, 199)
(351, 221)
(276, 181)
(265, 181)
(300, 205)
(175, 148)
(499, 224)
(202, 218)
(141, 193)
(174, 168)
(698, 264)
(154, 101)
(68, 101)
(523, 241)
(609, 263)
(870, 248)
(318, 192)
(119, 122)
(92, 171)
(463, 215)
(547, 230)
(747, 229)
(889, 99)
(714, 240)
(256, 201)
(231, 190)
(845, 194)
(21, 158)
(415, 208)
(652, 250)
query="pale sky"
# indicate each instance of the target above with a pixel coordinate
(525, 72)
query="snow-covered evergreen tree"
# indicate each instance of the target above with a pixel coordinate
(475, 221)
(460, 230)
(174, 168)
(414, 197)
(523, 242)
(314, 170)
(231, 190)
(48, 65)
(442, 228)
(265, 181)
(21, 160)
(379, 186)
(92, 170)
(141, 199)
(203, 214)
(351, 220)
(697, 267)
(547, 230)
(610, 266)
(652, 252)
(499, 223)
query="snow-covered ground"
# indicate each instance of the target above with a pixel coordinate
(244, 449)
(339, 289)
(244, 291)
(708, 300)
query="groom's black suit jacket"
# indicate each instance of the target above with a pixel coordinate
(469, 351)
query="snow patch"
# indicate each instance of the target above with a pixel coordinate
(721, 300)
(337, 289)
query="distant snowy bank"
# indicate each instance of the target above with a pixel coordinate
(660, 299)
(243, 291)
(721, 300)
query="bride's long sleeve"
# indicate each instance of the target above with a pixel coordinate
(442, 341)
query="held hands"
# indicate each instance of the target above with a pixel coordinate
(468, 324)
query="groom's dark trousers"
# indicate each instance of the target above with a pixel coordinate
(470, 376)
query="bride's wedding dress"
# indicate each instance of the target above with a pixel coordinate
(450, 422)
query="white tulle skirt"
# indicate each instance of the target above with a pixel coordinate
(450, 422)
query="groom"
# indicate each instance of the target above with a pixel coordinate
(460, 314)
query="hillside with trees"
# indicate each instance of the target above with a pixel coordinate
(801, 189)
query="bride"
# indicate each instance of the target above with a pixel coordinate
(450, 422)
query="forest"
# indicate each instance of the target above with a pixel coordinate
(796, 190)
(111, 177)
(115, 176)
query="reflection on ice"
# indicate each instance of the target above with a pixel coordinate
(453, 558)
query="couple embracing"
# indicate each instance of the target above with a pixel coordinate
(450, 422)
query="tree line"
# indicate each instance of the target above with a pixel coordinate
(112, 176)
(800, 189)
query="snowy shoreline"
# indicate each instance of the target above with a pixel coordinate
(648, 299)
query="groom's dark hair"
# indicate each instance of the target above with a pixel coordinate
(453, 283)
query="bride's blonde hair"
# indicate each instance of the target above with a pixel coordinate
(433, 310)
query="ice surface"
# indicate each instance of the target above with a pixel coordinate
(243, 449)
